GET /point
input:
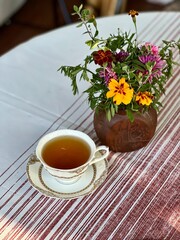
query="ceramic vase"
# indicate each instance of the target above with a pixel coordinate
(122, 135)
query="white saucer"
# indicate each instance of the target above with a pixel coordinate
(46, 184)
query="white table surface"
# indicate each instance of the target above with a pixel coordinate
(139, 199)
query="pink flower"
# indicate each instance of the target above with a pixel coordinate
(157, 68)
(107, 74)
(153, 49)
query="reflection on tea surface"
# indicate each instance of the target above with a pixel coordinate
(66, 152)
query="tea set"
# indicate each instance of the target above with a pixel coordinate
(67, 180)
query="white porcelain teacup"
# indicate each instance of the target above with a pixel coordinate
(66, 154)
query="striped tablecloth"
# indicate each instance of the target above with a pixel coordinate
(140, 196)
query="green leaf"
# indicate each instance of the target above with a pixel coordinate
(130, 115)
(96, 33)
(76, 9)
(85, 12)
(89, 43)
(138, 63)
(108, 115)
(112, 110)
(91, 20)
(80, 7)
(95, 23)
(85, 76)
(116, 108)
(125, 68)
(96, 43)
(79, 25)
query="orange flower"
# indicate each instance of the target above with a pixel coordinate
(144, 98)
(133, 13)
(120, 91)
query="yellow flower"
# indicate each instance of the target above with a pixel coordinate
(144, 98)
(120, 91)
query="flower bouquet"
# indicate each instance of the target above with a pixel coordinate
(130, 76)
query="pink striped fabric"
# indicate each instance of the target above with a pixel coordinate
(140, 199)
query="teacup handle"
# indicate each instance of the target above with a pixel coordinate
(97, 159)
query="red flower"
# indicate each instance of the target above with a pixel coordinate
(102, 56)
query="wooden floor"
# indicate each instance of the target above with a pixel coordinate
(40, 16)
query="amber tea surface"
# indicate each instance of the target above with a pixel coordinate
(66, 152)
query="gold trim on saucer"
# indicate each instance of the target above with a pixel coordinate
(77, 192)
(34, 170)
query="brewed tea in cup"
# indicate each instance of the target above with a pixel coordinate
(66, 154)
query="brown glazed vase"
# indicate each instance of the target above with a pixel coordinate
(121, 135)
